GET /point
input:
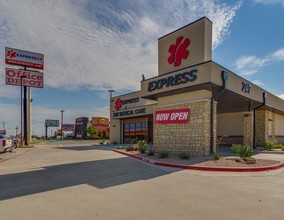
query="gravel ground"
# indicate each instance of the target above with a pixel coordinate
(227, 161)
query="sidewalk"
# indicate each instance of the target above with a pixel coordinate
(17, 152)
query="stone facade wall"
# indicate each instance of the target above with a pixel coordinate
(260, 127)
(248, 129)
(193, 137)
(263, 117)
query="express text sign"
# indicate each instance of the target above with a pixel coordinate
(24, 58)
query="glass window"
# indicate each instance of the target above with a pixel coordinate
(135, 131)
(138, 128)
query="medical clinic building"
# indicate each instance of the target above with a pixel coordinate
(193, 101)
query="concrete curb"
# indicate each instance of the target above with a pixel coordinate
(201, 168)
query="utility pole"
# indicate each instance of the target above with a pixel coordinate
(4, 125)
(62, 124)
(29, 114)
(22, 108)
(17, 131)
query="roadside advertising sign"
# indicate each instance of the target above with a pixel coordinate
(32, 78)
(51, 123)
(3, 132)
(68, 127)
(24, 58)
(175, 116)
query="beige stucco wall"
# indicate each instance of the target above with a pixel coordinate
(230, 125)
(279, 124)
(115, 128)
(193, 137)
(185, 97)
(279, 128)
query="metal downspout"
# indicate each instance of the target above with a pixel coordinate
(224, 79)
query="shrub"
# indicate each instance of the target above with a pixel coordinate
(102, 142)
(150, 152)
(121, 147)
(142, 146)
(164, 154)
(184, 155)
(242, 150)
(278, 146)
(216, 155)
(132, 148)
(269, 145)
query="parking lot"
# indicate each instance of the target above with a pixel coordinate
(81, 181)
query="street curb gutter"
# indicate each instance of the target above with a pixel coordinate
(201, 168)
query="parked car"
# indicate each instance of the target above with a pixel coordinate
(5, 143)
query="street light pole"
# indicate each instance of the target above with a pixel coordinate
(22, 108)
(17, 132)
(62, 124)
(110, 93)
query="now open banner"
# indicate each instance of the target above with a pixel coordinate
(175, 116)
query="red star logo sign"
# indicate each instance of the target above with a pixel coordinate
(117, 104)
(178, 51)
(11, 54)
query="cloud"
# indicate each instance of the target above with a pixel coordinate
(258, 82)
(266, 2)
(248, 65)
(281, 96)
(98, 45)
(278, 55)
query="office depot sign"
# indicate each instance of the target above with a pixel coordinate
(176, 116)
(32, 79)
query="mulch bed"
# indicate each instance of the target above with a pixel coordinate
(206, 161)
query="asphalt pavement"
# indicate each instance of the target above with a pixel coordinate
(86, 181)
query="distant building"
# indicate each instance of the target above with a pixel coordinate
(102, 124)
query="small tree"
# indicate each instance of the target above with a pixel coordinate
(92, 130)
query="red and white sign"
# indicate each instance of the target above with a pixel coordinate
(24, 58)
(32, 79)
(176, 116)
(68, 127)
(178, 51)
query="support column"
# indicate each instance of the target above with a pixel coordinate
(25, 117)
(248, 129)
(29, 115)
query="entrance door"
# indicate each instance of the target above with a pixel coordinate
(136, 131)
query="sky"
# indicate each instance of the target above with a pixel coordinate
(91, 46)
